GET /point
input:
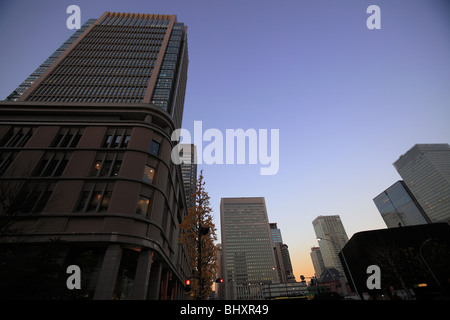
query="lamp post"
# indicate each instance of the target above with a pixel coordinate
(345, 261)
(202, 231)
(429, 269)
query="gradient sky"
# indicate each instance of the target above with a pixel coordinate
(347, 101)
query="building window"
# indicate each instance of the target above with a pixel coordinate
(116, 140)
(31, 198)
(95, 197)
(149, 174)
(106, 167)
(67, 138)
(16, 137)
(52, 165)
(6, 158)
(154, 148)
(142, 205)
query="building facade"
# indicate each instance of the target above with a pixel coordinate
(398, 207)
(317, 260)
(275, 233)
(332, 238)
(188, 166)
(425, 169)
(248, 260)
(283, 261)
(85, 165)
(282, 256)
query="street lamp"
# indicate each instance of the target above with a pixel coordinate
(202, 231)
(345, 261)
(429, 269)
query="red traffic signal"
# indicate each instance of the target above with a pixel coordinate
(219, 280)
(187, 286)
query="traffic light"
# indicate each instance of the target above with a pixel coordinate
(187, 286)
(219, 280)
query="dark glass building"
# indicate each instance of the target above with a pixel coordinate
(425, 169)
(188, 165)
(86, 175)
(398, 207)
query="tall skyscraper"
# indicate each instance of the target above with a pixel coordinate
(282, 256)
(275, 233)
(248, 260)
(283, 261)
(425, 168)
(317, 260)
(85, 158)
(118, 58)
(333, 238)
(398, 207)
(189, 171)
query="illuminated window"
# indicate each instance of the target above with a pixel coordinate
(149, 174)
(95, 200)
(142, 205)
(92, 199)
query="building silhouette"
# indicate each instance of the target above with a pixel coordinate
(248, 260)
(425, 169)
(282, 256)
(85, 164)
(398, 207)
(317, 260)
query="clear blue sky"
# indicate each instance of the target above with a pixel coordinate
(347, 101)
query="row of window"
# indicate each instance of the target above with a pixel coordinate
(119, 46)
(99, 29)
(30, 198)
(16, 137)
(129, 21)
(87, 99)
(140, 54)
(124, 38)
(111, 70)
(99, 80)
(70, 137)
(88, 91)
(146, 61)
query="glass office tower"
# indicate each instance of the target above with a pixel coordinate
(398, 207)
(275, 233)
(85, 159)
(248, 260)
(425, 169)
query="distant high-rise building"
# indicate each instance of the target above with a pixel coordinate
(275, 233)
(189, 171)
(282, 256)
(333, 238)
(317, 260)
(398, 207)
(283, 261)
(248, 260)
(85, 158)
(425, 169)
